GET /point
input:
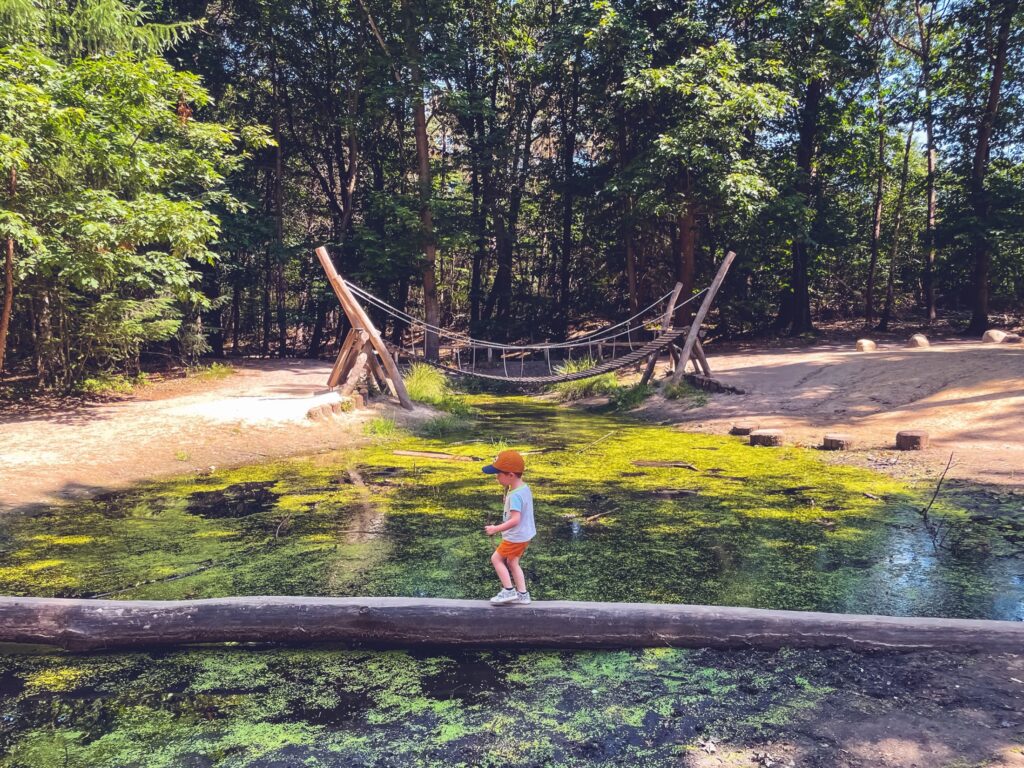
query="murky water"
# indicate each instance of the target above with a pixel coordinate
(726, 524)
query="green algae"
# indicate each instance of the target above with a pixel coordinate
(767, 528)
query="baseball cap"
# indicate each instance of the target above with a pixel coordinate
(506, 461)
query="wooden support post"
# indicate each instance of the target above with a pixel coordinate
(700, 359)
(360, 320)
(666, 323)
(698, 319)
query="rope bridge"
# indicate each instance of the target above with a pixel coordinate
(365, 351)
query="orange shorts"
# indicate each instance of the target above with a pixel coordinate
(512, 549)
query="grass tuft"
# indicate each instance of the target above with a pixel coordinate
(381, 428)
(568, 391)
(683, 392)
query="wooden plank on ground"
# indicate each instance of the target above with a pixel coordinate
(435, 455)
(86, 625)
(668, 464)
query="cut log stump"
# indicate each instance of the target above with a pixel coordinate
(769, 438)
(866, 345)
(743, 428)
(913, 440)
(918, 341)
(837, 442)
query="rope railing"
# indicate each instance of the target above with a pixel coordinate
(589, 340)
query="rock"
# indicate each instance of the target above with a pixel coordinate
(918, 341)
(866, 345)
(837, 442)
(1012, 338)
(742, 428)
(994, 336)
(911, 440)
(770, 438)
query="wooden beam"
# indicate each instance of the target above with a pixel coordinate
(360, 319)
(85, 625)
(699, 358)
(698, 319)
(354, 341)
(666, 323)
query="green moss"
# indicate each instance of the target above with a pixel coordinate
(777, 528)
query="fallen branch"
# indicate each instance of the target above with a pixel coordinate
(436, 455)
(666, 464)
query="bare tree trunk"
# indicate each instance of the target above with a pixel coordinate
(686, 261)
(883, 325)
(982, 245)
(924, 29)
(5, 316)
(796, 306)
(568, 162)
(876, 222)
(430, 306)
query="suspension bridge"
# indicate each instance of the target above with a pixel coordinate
(364, 351)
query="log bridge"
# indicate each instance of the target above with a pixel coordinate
(398, 622)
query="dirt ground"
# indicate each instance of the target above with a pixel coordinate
(70, 450)
(968, 396)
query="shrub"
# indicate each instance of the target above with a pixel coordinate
(627, 398)
(111, 384)
(566, 391)
(426, 384)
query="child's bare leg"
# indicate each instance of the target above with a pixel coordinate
(499, 566)
(517, 573)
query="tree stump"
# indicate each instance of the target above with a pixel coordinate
(837, 442)
(911, 440)
(742, 428)
(918, 341)
(993, 336)
(768, 438)
(866, 345)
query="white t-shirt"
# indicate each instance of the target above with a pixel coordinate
(520, 500)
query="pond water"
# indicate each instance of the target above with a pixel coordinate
(772, 528)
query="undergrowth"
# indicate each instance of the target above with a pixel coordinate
(567, 391)
(430, 386)
(683, 392)
(111, 384)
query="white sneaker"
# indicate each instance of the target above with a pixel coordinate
(523, 598)
(505, 596)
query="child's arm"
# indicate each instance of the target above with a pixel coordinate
(513, 520)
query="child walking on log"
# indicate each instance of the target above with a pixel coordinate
(517, 528)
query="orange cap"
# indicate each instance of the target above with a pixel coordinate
(506, 461)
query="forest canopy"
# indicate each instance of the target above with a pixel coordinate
(507, 168)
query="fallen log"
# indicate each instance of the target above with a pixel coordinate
(86, 625)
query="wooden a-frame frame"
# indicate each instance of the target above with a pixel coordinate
(363, 352)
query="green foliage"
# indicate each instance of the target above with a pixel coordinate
(681, 391)
(212, 372)
(628, 398)
(381, 427)
(111, 383)
(445, 425)
(426, 384)
(580, 389)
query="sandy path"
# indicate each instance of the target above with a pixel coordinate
(968, 396)
(170, 428)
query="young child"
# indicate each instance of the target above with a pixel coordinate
(517, 528)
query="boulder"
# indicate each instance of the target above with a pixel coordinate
(993, 336)
(918, 341)
(866, 345)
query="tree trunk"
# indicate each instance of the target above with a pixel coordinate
(5, 315)
(924, 30)
(796, 310)
(686, 261)
(568, 147)
(430, 306)
(980, 235)
(898, 219)
(876, 221)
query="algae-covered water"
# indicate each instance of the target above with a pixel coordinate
(773, 528)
